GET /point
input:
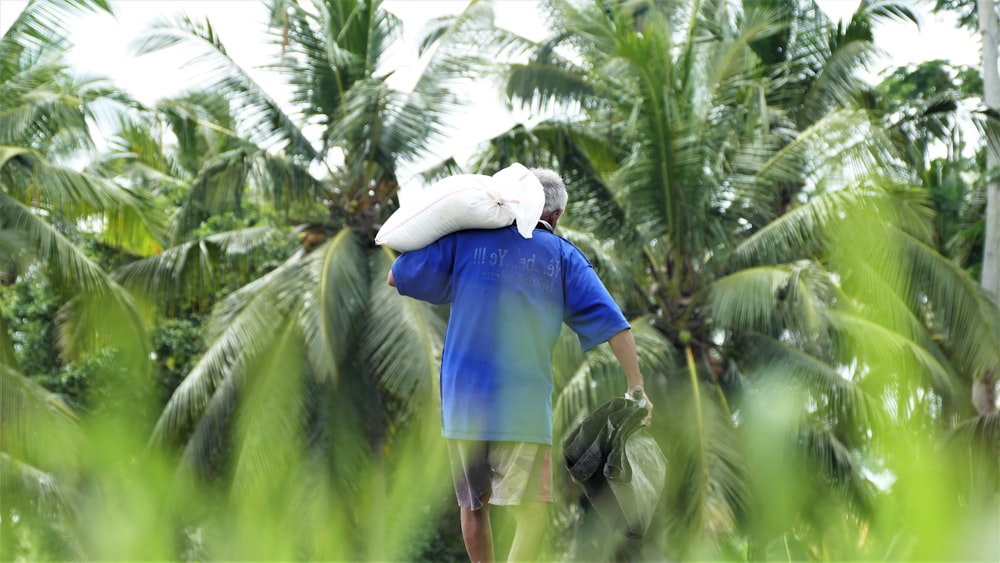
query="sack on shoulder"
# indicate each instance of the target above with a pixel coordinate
(465, 201)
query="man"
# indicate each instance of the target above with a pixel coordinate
(509, 297)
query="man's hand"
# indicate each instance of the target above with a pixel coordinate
(637, 393)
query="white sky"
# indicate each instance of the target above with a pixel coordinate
(101, 47)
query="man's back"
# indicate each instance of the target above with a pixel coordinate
(509, 298)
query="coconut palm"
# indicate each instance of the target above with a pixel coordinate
(927, 107)
(46, 203)
(312, 368)
(368, 128)
(721, 150)
(44, 198)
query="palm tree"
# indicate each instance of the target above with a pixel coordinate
(724, 156)
(45, 204)
(44, 125)
(311, 369)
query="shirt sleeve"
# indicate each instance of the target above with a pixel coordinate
(426, 273)
(591, 312)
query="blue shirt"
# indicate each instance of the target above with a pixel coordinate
(510, 297)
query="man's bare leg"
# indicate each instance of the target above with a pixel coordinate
(477, 534)
(530, 519)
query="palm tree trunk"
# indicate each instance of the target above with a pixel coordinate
(991, 95)
(984, 393)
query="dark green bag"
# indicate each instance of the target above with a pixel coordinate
(619, 465)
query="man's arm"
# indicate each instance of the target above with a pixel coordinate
(392, 280)
(623, 347)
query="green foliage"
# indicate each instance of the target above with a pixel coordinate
(747, 184)
(178, 344)
(925, 107)
(29, 308)
(927, 80)
(967, 12)
(32, 312)
(809, 349)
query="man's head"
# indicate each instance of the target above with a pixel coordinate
(555, 194)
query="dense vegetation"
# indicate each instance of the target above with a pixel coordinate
(200, 357)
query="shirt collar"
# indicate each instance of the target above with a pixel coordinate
(545, 225)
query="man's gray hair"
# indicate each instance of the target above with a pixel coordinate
(555, 189)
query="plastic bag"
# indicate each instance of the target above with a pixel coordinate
(619, 465)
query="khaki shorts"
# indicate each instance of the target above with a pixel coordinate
(504, 473)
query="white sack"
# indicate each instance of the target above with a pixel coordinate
(466, 201)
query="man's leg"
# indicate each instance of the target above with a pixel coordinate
(477, 533)
(530, 519)
(523, 481)
(471, 475)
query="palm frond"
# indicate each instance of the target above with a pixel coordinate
(706, 487)
(962, 312)
(16, 122)
(287, 181)
(403, 338)
(323, 53)
(414, 121)
(840, 463)
(333, 58)
(474, 25)
(268, 124)
(951, 305)
(203, 124)
(547, 85)
(464, 47)
(123, 216)
(38, 490)
(225, 166)
(116, 321)
(806, 231)
(218, 188)
(725, 68)
(244, 241)
(270, 421)
(8, 357)
(33, 91)
(836, 84)
(770, 299)
(38, 426)
(888, 353)
(193, 269)
(50, 108)
(981, 431)
(47, 24)
(870, 291)
(605, 256)
(837, 150)
(888, 10)
(208, 451)
(832, 389)
(333, 313)
(240, 332)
